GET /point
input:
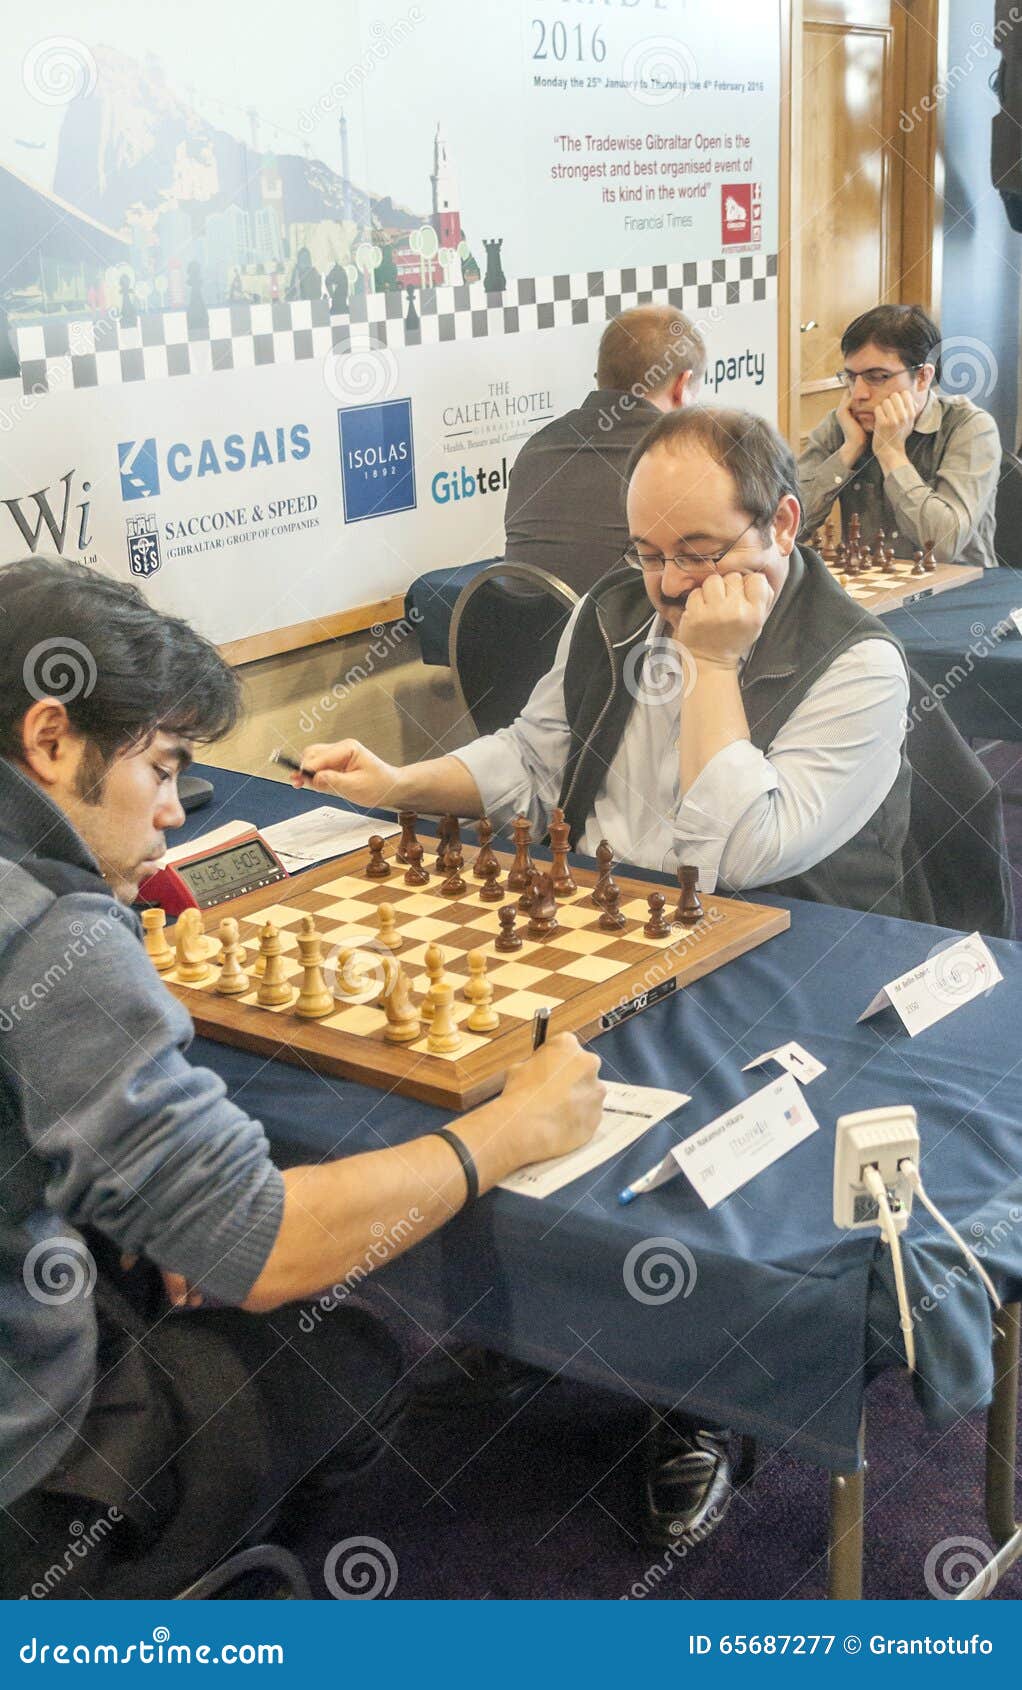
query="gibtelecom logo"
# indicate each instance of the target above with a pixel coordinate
(143, 462)
(377, 459)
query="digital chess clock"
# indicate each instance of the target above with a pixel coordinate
(213, 874)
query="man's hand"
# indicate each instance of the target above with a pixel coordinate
(553, 1102)
(181, 1294)
(893, 422)
(348, 770)
(724, 618)
(853, 431)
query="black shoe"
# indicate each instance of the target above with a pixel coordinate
(688, 1482)
(473, 1377)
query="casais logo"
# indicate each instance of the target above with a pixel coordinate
(142, 462)
(377, 459)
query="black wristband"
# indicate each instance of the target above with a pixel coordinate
(464, 1156)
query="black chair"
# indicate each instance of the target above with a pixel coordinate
(262, 1573)
(1008, 513)
(504, 635)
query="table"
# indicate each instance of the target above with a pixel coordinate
(950, 641)
(786, 1318)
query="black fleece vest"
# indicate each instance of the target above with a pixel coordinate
(813, 622)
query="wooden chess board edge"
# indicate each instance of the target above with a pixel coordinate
(899, 595)
(470, 1080)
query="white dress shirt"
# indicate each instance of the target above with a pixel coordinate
(750, 817)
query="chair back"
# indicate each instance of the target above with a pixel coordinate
(1008, 513)
(504, 635)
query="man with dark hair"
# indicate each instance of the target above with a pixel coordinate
(565, 502)
(718, 700)
(180, 1434)
(896, 453)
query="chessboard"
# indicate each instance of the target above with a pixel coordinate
(590, 979)
(878, 580)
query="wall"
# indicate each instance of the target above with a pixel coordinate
(982, 254)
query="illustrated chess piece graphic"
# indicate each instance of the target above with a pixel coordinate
(496, 281)
(337, 288)
(197, 315)
(411, 315)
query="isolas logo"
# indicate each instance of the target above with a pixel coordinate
(450, 486)
(141, 461)
(377, 459)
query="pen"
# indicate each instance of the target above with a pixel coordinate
(540, 1026)
(647, 1181)
(288, 762)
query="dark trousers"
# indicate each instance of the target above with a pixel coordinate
(201, 1427)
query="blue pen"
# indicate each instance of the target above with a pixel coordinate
(649, 1181)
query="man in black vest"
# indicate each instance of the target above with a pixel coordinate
(720, 701)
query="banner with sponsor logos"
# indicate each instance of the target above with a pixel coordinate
(279, 314)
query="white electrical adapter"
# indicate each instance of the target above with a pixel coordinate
(880, 1139)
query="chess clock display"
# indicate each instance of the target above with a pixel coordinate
(214, 875)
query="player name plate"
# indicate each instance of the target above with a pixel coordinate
(947, 979)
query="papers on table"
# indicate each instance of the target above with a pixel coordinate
(318, 834)
(949, 978)
(628, 1112)
(207, 841)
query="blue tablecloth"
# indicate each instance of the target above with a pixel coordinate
(785, 1317)
(951, 642)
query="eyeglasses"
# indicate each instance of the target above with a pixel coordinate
(874, 378)
(682, 560)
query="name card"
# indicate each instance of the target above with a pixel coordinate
(944, 982)
(728, 1152)
(794, 1059)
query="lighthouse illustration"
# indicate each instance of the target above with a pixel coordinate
(446, 218)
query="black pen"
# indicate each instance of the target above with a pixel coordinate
(540, 1025)
(288, 762)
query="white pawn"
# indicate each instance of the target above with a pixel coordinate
(444, 1034)
(233, 979)
(476, 982)
(390, 938)
(484, 1018)
(435, 970)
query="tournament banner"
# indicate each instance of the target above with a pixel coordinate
(281, 306)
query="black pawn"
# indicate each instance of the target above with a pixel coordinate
(411, 315)
(492, 892)
(508, 939)
(657, 927)
(415, 875)
(611, 920)
(377, 868)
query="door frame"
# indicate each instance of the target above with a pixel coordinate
(921, 208)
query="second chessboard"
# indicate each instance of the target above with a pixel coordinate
(878, 580)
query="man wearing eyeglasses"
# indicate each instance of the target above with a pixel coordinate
(899, 455)
(717, 700)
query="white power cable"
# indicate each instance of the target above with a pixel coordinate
(912, 1174)
(874, 1184)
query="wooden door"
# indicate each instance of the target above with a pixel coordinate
(852, 76)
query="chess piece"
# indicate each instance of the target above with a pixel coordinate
(657, 927)
(407, 818)
(455, 886)
(855, 531)
(605, 864)
(390, 938)
(879, 543)
(840, 560)
(518, 873)
(890, 561)
(492, 892)
(377, 868)
(233, 979)
(816, 540)
(435, 970)
(444, 1034)
(508, 939)
(525, 901)
(449, 843)
(314, 999)
(411, 315)
(389, 967)
(560, 873)
(347, 981)
(543, 909)
(154, 930)
(486, 852)
(484, 1018)
(476, 972)
(415, 874)
(191, 949)
(689, 910)
(917, 562)
(403, 1024)
(929, 561)
(828, 541)
(611, 920)
(273, 987)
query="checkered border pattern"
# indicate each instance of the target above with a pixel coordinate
(56, 356)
